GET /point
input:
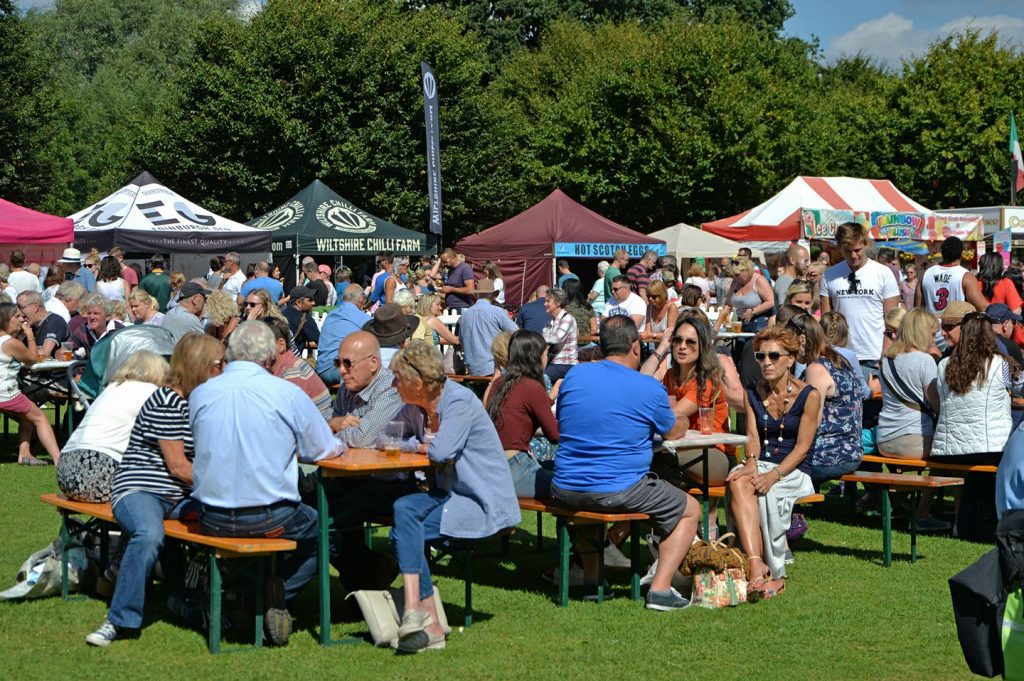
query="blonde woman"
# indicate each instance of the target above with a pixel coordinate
(493, 272)
(143, 308)
(94, 450)
(750, 295)
(177, 280)
(813, 274)
(259, 305)
(222, 314)
(697, 276)
(429, 310)
(892, 318)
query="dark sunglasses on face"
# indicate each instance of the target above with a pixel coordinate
(347, 363)
(690, 342)
(773, 356)
(890, 334)
(248, 304)
(949, 327)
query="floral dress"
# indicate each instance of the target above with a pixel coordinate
(838, 442)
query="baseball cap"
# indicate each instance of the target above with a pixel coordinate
(301, 292)
(1000, 312)
(191, 288)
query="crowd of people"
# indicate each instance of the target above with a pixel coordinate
(584, 383)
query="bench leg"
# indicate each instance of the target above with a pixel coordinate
(261, 583)
(368, 535)
(563, 562)
(705, 500)
(215, 604)
(634, 560)
(886, 528)
(600, 562)
(540, 532)
(467, 579)
(104, 545)
(65, 540)
(323, 562)
(915, 498)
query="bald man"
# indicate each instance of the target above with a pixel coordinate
(797, 260)
(366, 402)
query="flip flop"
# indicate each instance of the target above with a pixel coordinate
(33, 461)
(766, 592)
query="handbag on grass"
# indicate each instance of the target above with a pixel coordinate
(717, 556)
(382, 611)
(719, 573)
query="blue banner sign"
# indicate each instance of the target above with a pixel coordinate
(605, 250)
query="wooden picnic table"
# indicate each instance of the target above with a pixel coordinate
(695, 441)
(352, 463)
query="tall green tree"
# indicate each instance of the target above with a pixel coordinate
(952, 121)
(310, 89)
(655, 125)
(109, 72)
(20, 76)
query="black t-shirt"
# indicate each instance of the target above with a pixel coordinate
(309, 331)
(1011, 349)
(52, 328)
(319, 292)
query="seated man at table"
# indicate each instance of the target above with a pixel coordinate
(49, 328)
(294, 369)
(366, 402)
(605, 452)
(248, 426)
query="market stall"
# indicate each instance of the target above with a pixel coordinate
(527, 246)
(40, 236)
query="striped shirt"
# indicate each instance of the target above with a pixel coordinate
(639, 277)
(164, 416)
(298, 372)
(561, 335)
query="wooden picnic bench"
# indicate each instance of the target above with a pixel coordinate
(937, 464)
(564, 518)
(217, 547)
(899, 482)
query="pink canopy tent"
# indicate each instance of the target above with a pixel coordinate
(42, 237)
(778, 218)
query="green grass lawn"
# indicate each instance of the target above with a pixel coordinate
(843, 616)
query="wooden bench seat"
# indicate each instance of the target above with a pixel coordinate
(898, 481)
(219, 547)
(896, 462)
(470, 378)
(719, 493)
(566, 517)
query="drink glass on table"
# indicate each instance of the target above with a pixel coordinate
(394, 433)
(737, 327)
(65, 353)
(704, 420)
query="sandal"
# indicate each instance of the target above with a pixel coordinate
(766, 592)
(757, 583)
(33, 461)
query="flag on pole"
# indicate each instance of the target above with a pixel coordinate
(429, 85)
(1016, 159)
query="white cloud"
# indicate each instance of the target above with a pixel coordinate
(894, 37)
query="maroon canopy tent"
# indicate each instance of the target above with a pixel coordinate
(42, 237)
(526, 245)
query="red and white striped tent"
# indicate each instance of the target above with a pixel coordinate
(776, 222)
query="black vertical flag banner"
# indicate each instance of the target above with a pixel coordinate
(429, 84)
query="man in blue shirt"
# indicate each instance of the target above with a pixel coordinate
(479, 326)
(71, 259)
(608, 413)
(264, 281)
(533, 316)
(248, 426)
(346, 318)
(564, 273)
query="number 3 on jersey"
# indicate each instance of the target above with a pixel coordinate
(941, 299)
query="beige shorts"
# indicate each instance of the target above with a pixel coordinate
(907, 447)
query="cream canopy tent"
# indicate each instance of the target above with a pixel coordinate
(687, 242)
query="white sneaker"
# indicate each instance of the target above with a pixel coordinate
(614, 557)
(103, 636)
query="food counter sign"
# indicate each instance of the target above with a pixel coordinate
(898, 225)
(604, 250)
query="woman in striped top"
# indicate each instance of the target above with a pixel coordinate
(154, 476)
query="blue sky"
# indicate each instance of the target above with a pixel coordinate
(890, 30)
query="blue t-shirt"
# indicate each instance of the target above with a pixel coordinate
(1010, 476)
(607, 417)
(271, 286)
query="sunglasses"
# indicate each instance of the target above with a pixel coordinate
(690, 342)
(890, 334)
(949, 327)
(248, 304)
(854, 284)
(772, 356)
(347, 363)
(618, 288)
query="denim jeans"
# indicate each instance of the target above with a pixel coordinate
(417, 521)
(141, 517)
(529, 478)
(820, 474)
(283, 521)
(330, 376)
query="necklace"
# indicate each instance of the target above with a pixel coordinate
(782, 418)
